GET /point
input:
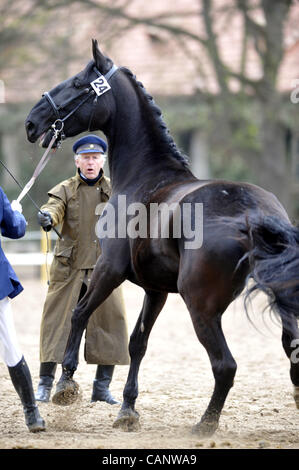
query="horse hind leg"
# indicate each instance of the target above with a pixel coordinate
(206, 307)
(224, 368)
(209, 280)
(128, 417)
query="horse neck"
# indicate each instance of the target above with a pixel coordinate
(138, 152)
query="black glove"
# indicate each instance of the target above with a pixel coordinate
(45, 220)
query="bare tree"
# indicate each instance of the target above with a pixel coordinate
(262, 32)
(265, 37)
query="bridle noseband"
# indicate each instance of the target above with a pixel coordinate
(91, 90)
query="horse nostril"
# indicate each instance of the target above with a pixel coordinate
(29, 127)
(31, 131)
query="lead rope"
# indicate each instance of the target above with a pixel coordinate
(43, 161)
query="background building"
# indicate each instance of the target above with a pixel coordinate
(224, 73)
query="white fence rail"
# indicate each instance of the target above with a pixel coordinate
(34, 250)
(29, 259)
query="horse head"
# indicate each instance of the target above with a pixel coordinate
(76, 104)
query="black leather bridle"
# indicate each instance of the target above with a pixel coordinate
(88, 92)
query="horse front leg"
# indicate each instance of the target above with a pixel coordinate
(128, 417)
(290, 342)
(67, 389)
(103, 281)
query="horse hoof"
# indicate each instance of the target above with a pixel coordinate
(67, 392)
(205, 428)
(296, 396)
(127, 420)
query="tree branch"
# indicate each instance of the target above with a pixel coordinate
(212, 47)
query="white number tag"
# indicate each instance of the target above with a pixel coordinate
(100, 85)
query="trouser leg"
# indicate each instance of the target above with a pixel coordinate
(104, 373)
(9, 348)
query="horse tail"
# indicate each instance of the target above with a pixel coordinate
(274, 262)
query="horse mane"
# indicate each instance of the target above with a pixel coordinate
(155, 115)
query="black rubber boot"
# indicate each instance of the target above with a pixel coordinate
(22, 382)
(47, 374)
(100, 391)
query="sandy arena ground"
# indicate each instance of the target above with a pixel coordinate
(175, 384)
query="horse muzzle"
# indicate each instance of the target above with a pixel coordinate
(31, 131)
(44, 138)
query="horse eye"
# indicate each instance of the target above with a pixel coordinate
(77, 83)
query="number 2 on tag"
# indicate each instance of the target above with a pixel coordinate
(100, 85)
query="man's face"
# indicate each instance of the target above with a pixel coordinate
(90, 164)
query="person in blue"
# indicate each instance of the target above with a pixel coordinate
(13, 225)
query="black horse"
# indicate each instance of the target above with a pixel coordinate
(246, 231)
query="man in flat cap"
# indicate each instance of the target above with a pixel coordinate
(73, 203)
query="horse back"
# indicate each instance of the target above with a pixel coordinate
(223, 208)
(226, 198)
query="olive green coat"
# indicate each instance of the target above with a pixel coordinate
(76, 206)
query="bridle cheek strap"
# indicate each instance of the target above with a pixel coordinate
(52, 103)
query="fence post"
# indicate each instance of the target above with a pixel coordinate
(45, 240)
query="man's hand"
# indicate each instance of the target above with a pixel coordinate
(44, 220)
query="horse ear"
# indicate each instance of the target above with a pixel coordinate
(103, 63)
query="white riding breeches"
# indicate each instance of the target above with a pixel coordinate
(9, 348)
